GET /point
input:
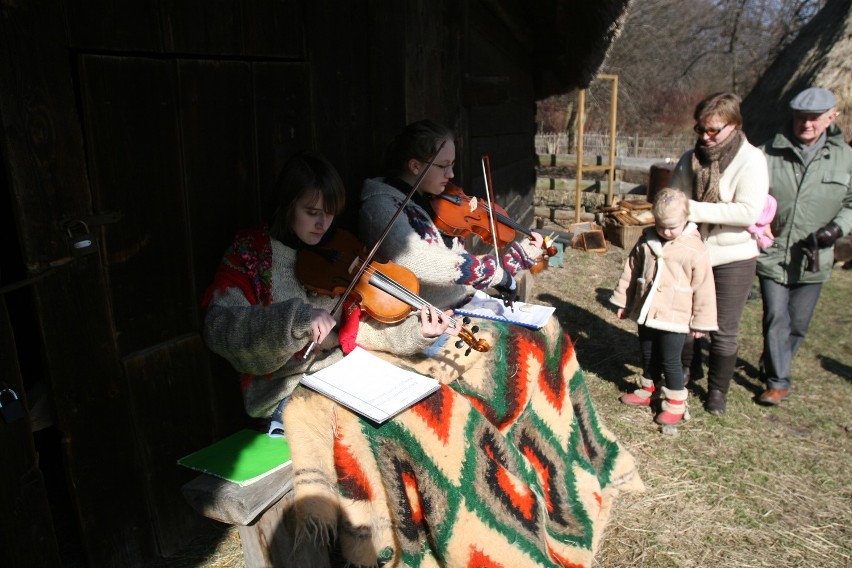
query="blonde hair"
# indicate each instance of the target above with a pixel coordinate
(670, 204)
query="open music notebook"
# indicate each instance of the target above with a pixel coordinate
(371, 386)
(481, 305)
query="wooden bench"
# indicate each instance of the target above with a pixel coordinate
(257, 510)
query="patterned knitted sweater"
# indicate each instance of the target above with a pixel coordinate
(448, 275)
(258, 317)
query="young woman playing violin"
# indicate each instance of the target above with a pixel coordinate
(261, 317)
(537, 471)
(448, 273)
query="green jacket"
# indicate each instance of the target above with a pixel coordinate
(808, 198)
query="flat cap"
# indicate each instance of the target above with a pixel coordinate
(814, 100)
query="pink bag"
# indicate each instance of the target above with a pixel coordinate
(760, 230)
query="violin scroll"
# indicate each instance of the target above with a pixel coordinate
(468, 338)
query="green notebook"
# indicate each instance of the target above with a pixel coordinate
(242, 458)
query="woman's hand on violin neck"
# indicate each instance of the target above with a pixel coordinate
(537, 239)
(434, 322)
(321, 324)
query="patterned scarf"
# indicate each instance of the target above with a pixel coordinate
(709, 163)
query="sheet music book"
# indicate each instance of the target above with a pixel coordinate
(371, 386)
(533, 316)
(243, 457)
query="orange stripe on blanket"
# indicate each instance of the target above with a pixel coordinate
(523, 502)
(564, 562)
(436, 411)
(543, 474)
(409, 481)
(352, 480)
(479, 559)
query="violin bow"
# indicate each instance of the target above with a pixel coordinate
(376, 246)
(486, 174)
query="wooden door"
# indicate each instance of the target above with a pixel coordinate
(186, 151)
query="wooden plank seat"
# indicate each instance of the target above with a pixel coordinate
(258, 511)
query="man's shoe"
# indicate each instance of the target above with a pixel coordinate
(717, 402)
(773, 397)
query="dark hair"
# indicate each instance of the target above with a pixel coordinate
(304, 172)
(726, 105)
(418, 140)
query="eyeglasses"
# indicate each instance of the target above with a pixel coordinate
(448, 167)
(711, 132)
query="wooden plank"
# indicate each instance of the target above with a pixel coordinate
(171, 381)
(106, 25)
(46, 171)
(261, 28)
(386, 59)
(26, 526)
(230, 503)
(343, 124)
(282, 121)
(219, 160)
(131, 116)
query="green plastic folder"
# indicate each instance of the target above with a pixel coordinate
(242, 458)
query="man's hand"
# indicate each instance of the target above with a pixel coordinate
(826, 236)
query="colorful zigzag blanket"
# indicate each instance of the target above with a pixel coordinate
(507, 465)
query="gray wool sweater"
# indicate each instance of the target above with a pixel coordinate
(262, 341)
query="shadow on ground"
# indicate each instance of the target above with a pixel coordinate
(602, 347)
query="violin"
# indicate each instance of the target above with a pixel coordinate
(459, 215)
(387, 292)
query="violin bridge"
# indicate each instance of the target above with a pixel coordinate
(356, 262)
(473, 204)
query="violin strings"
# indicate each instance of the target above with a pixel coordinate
(403, 291)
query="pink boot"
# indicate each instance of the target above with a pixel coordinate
(641, 396)
(674, 407)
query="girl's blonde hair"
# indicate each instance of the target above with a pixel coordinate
(670, 204)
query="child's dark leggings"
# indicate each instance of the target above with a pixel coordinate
(661, 356)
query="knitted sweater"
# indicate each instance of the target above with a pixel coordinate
(669, 285)
(259, 318)
(743, 188)
(448, 275)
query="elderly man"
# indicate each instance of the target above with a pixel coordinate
(810, 175)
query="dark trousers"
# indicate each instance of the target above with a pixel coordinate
(661, 356)
(787, 313)
(733, 284)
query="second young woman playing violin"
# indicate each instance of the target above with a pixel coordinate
(448, 273)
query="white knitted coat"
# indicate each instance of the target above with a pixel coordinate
(742, 194)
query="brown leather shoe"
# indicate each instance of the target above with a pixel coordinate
(773, 397)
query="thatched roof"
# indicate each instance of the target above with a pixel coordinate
(820, 56)
(572, 39)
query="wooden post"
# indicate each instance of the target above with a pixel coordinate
(581, 117)
(613, 113)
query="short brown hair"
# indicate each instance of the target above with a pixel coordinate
(304, 172)
(726, 105)
(419, 140)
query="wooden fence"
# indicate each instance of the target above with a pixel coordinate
(626, 146)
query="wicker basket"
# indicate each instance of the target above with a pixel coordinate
(624, 236)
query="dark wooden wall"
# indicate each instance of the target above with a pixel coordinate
(174, 118)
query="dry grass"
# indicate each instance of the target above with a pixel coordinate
(759, 487)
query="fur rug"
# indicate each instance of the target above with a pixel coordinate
(508, 464)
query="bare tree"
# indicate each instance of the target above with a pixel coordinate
(672, 53)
